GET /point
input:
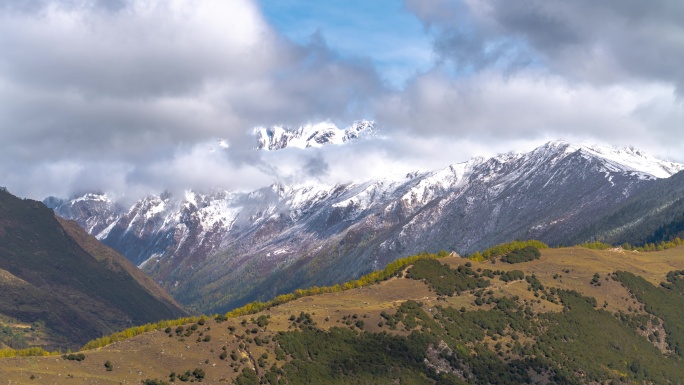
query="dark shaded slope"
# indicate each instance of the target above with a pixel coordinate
(655, 214)
(118, 263)
(50, 276)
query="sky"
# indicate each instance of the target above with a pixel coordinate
(131, 97)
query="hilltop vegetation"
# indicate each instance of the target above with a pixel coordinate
(444, 280)
(507, 248)
(646, 247)
(562, 318)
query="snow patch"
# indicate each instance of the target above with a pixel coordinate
(157, 206)
(92, 197)
(219, 212)
(103, 234)
(630, 159)
(150, 259)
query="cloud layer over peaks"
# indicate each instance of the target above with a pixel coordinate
(132, 96)
(129, 87)
(533, 70)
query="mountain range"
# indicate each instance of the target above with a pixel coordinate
(214, 251)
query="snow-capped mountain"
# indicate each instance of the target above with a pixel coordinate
(627, 159)
(95, 211)
(214, 251)
(311, 135)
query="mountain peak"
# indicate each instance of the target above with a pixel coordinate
(310, 135)
(615, 159)
(631, 159)
(94, 197)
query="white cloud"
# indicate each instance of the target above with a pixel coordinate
(128, 96)
(492, 108)
(129, 83)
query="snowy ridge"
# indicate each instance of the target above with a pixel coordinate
(92, 197)
(190, 240)
(219, 211)
(631, 159)
(615, 159)
(311, 135)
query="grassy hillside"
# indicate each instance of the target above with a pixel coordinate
(572, 316)
(116, 262)
(54, 274)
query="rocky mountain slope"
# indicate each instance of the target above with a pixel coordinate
(215, 251)
(55, 274)
(653, 215)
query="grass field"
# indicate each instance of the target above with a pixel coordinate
(157, 354)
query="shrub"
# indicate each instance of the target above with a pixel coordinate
(506, 248)
(513, 275)
(443, 280)
(74, 357)
(526, 254)
(262, 321)
(30, 352)
(199, 374)
(596, 245)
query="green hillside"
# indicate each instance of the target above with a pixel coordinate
(569, 316)
(53, 274)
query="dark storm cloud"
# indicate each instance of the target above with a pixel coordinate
(469, 44)
(596, 41)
